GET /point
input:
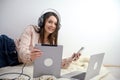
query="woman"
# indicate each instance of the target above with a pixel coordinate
(23, 50)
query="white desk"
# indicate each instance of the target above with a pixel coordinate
(110, 77)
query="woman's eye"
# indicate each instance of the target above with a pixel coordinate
(49, 21)
(56, 24)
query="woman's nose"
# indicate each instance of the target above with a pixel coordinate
(53, 25)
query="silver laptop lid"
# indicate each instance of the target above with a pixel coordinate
(94, 65)
(50, 61)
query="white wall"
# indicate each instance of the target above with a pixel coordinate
(93, 24)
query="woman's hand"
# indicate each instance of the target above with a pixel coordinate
(35, 53)
(66, 63)
(75, 56)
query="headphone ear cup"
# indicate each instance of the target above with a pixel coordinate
(41, 21)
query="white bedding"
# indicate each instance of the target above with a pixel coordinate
(81, 65)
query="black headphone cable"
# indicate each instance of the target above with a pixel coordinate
(16, 73)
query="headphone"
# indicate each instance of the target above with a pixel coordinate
(42, 17)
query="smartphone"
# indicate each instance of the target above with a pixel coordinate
(78, 54)
(80, 49)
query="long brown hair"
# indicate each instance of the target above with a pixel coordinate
(53, 37)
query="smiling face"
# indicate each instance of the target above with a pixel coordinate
(50, 25)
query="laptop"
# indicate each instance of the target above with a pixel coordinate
(93, 69)
(50, 61)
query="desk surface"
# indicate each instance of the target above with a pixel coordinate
(110, 77)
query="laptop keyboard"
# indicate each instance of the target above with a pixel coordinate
(80, 76)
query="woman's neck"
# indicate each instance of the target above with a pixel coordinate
(46, 41)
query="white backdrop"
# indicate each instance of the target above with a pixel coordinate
(93, 24)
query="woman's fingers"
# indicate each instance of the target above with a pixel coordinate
(65, 63)
(35, 53)
(76, 56)
(35, 50)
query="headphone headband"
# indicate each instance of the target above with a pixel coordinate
(41, 18)
(51, 10)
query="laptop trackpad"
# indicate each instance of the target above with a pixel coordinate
(80, 76)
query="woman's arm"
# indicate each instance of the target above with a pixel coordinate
(26, 50)
(67, 61)
(24, 45)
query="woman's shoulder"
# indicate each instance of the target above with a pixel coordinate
(32, 28)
